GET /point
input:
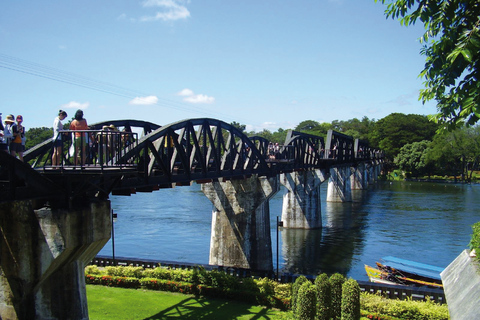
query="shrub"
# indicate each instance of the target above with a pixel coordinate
(92, 270)
(336, 282)
(322, 285)
(295, 287)
(350, 300)
(112, 281)
(403, 309)
(475, 241)
(306, 302)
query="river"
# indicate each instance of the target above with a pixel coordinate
(420, 221)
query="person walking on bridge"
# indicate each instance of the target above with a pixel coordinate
(16, 146)
(3, 141)
(80, 140)
(57, 138)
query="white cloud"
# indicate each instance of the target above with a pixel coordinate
(191, 97)
(172, 10)
(75, 105)
(199, 98)
(144, 100)
(186, 92)
(62, 47)
(122, 16)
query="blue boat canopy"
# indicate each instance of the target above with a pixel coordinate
(421, 269)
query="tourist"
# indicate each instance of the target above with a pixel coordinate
(8, 130)
(3, 141)
(80, 138)
(18, 132)
(57, 138)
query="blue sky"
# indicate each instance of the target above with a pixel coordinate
(266, 64)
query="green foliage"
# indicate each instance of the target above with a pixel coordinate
(36, 136)
(295, 287)
(128, 271)
(412, 158)
(322, 284)
(456, 153)
(336, 283)
(350, 300)
(94, 270)
(397, 129)
(403, 309)
(306, 302)
(475, 240)
(451, 46)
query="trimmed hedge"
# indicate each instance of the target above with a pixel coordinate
(324, 298)
(350, 300)
(295, 287)
(403, 309)
(336, 283)
(306, 302)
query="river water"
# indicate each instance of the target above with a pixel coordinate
(425, 222)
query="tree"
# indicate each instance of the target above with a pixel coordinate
(314, 127)
(412, 158)
(239, 126)
(456, 153)
(354, 127)
(452, 50)
(398, 129)
(35, 136)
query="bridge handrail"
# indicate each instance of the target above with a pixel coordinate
(86, 148)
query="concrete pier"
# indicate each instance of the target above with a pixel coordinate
(339, 187)
(302, 203)
(43, 256)
(241, 222)
(358, 179)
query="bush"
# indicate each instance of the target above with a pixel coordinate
(92, 270)
(403, 309)
(306, 302)
(128, 271)
(475, 241)
(322, 285)
(350, 300)
(336, 282)
(295, 287)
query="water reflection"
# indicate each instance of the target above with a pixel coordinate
(329, 249)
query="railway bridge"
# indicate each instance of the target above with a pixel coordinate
(55, 212)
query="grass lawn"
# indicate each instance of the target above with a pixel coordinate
(106, 303)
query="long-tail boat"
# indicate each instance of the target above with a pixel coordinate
(405, 272)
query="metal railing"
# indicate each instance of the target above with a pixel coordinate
(91, 149)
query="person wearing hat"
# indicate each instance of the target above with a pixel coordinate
(18, 133)
(8, 130)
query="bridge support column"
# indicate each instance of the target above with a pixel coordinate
(302, 203)
(358, 179)
(241, 222)
(43, 256)
(339, 188)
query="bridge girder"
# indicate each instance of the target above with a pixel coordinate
(201, 150)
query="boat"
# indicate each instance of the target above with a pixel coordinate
(399, 271)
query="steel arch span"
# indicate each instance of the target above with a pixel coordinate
(199, 150)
